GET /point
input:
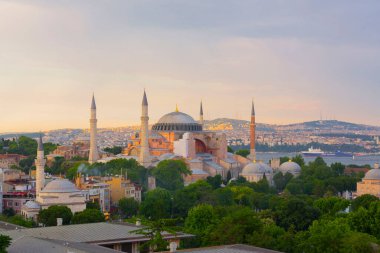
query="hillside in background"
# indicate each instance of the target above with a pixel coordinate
(226, 124)
(325, 125)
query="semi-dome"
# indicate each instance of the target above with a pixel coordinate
(177, 121)
(373, 174)
(32, 205)
(256, 168)
(60, 185)
(290, 167)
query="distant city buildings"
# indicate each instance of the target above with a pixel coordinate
(9, 160)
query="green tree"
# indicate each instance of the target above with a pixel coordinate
(363, 201)
(299, 160)
(5, 242)
(338, 168)
(242, 195)
(130, 167)
(27, 163)
(333, 237)
(272, 237)
(281, 180)
(56, 167)
(88, 216)
(243, 152)
(223, 196)
(284, 159)
(190, 196)
(366, 220)
(154, 230)
(49, 216)
(114, 150)
(9, 212)
(93, 205)
(169, 174)
(235, 227)
(229, 149)
(128, 207)
(331, 205)
(72, 168)
(200, 220)
(215, 181)
(297, 212)
(157, 204)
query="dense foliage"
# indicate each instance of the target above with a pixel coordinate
(24, 146)
(169, 174)
(88, 216)
(298, 214)
(5, 242)
(49, 216)
(114, 150)
(128, 207)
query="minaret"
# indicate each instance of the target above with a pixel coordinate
(201, 115)
(144, 157)
(252, 128)
(93, 156)
(40, 166)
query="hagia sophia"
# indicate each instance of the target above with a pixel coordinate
(177, 135)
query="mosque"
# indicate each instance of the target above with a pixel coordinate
(370, 184)
(177, 135)
(56, 192)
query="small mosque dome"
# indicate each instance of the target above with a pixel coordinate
(60, 185)
(177, 121)
(373, 174)
(290, 167)
(32, 205)
(256, 168)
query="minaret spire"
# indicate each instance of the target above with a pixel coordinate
(252, 128)
(40, 145)
(144, 157)
(40, 162)
(145, 100)
(93, 104)
(201, 114)
(94, 155)
(253, 109)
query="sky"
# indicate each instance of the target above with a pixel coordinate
(298, 59)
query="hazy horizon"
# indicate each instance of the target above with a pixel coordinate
(151, 123)
(297, 59)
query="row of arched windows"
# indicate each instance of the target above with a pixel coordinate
(177, 127)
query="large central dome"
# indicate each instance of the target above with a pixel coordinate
(177, 121)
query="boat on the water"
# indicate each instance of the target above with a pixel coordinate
(319, 153)
(313, 152)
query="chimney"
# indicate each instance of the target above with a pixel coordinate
(376, 166)
(173, 247)
(59, 221)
